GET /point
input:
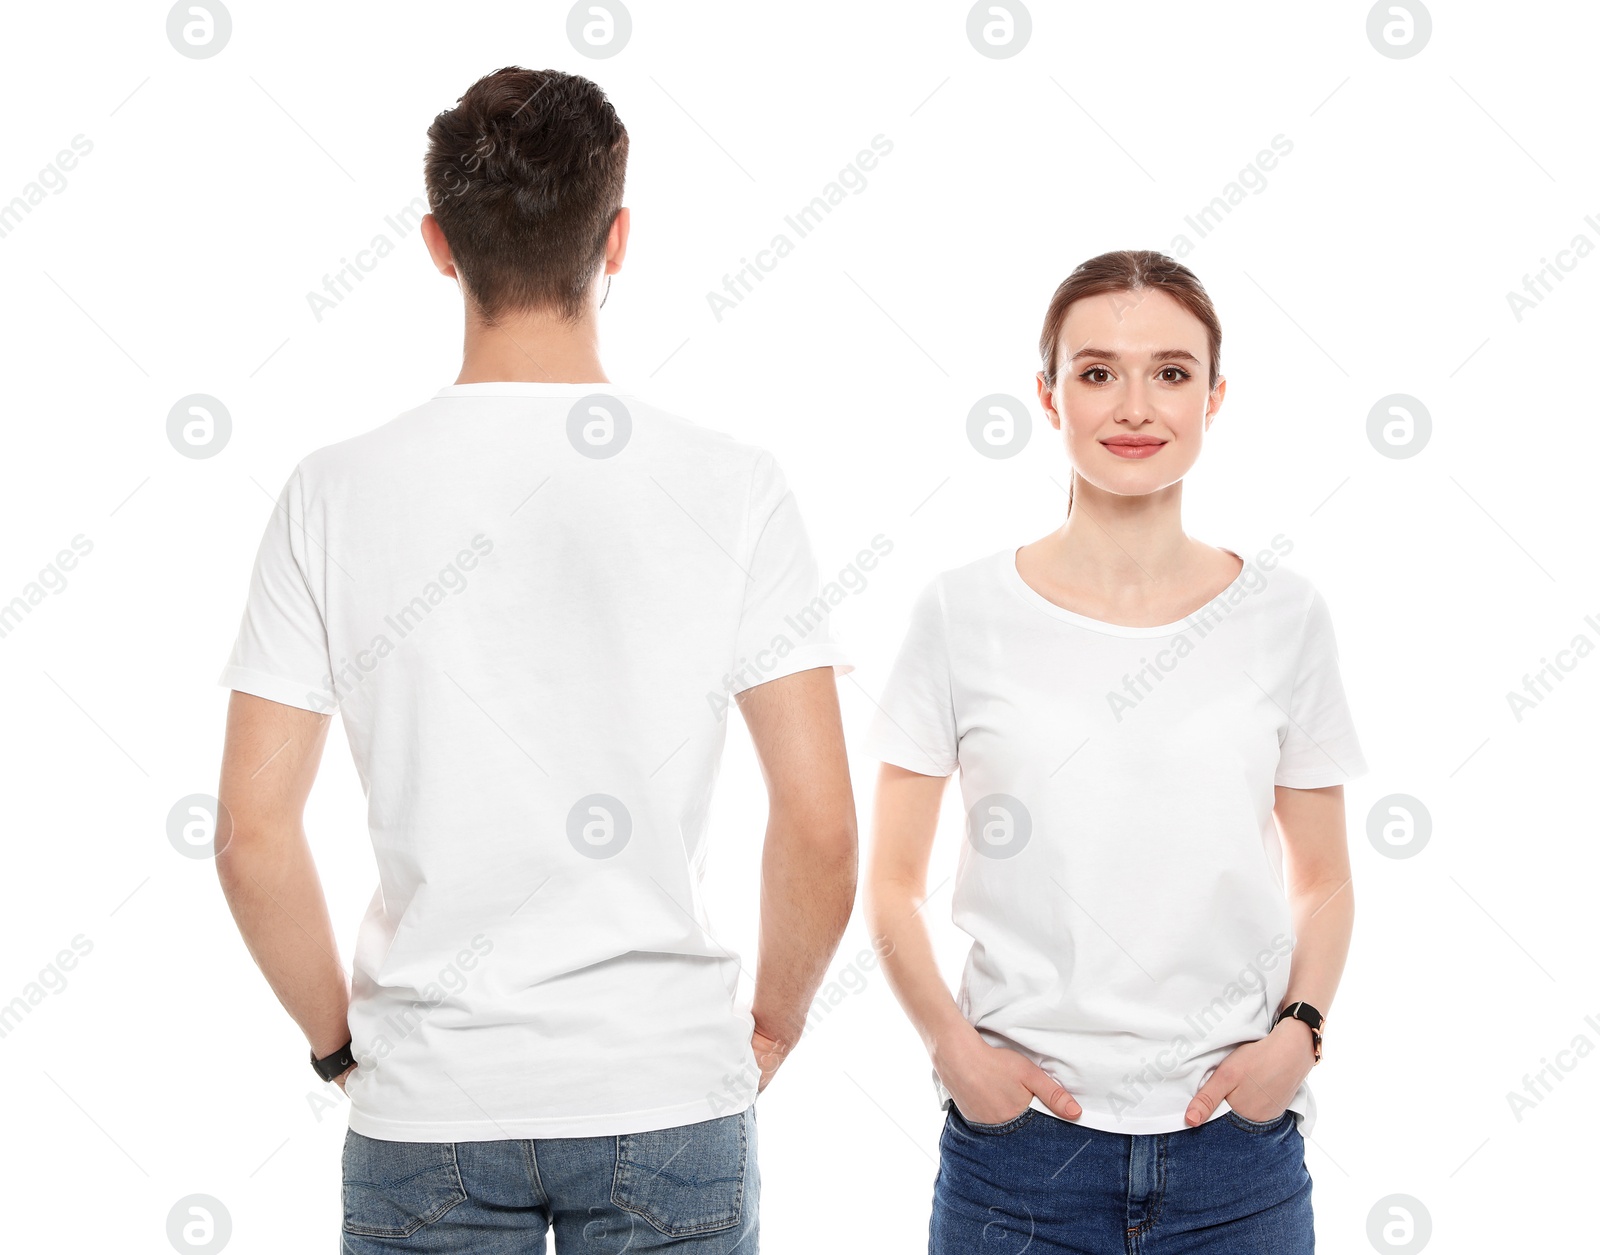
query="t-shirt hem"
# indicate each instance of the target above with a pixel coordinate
(1321, 777)
(897, 755)
(276, 688)
(1106, 1123)
(805, 658)
(613, 1124)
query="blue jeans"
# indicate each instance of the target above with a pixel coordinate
(1230, 1186)
(690, 1189)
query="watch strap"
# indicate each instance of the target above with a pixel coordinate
(330, 1066)
(1311, 1018)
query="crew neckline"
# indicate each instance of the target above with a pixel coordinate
(1008, 564)
(530, 388)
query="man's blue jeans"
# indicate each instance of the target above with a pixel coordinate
(692, 1190)
(1230, 1186)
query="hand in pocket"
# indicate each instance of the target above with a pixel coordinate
(992, 1085)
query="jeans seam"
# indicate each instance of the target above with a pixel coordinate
(696, 1230)
(530, 1154)
(1247, 1125)
(360, 1230)
(1004, 1127)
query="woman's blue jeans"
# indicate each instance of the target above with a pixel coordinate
(1046, 1186)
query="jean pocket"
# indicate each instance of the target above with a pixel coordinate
(1257, 1126)
(1006, 1126)
(685, 1180)
(392, 1189)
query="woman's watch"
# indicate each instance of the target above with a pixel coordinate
(332, 1065)
(1311, 1018)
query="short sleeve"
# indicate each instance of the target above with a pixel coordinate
(915, 723)
(281, 651)
(784, 617)
(1319, 746)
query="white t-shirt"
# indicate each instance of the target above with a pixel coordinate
(531, 604)
(1122, 875)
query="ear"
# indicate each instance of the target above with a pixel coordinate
(1047, 400)
(1214, 402)
(617, 241)
(438, 246)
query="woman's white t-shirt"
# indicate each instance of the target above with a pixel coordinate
(1122, 876)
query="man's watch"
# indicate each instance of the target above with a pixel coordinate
(332, 1065)
(1311, 1018)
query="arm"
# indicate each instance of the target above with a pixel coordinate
(989, 1084)
(808, 862)
(269, 760)
(1259, 1078)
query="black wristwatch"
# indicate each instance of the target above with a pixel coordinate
(339, 1061)
(1311, 1018)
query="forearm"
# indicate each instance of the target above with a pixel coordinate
(1324, 916)
(807, 890)
(272, 888)
(911, 969)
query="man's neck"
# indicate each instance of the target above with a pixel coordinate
(532, 348)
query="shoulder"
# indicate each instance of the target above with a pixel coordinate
(1294, 608)
(707, 454)
(966, 592)
(364, 452)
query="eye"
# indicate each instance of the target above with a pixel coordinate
(1095, 370)
(1176, 370)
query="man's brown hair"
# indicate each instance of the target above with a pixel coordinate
(525, 178)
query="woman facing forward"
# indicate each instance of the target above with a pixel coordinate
(1153, 740)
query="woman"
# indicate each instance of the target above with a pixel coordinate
(1153, 740)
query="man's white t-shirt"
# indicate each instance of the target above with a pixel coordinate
(531, 604)
(1122, 875)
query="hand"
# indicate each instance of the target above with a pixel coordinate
(344, 1076)
(1258, 1078)
(770, 1054)
(992, 1085)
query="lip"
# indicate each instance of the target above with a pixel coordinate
(1134, 447)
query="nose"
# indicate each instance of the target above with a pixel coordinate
(1135, 409)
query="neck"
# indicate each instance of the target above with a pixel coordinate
(532, 348)
(1124, 538)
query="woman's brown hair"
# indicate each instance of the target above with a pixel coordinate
(1128, 270)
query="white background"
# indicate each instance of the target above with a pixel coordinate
(1377, 260)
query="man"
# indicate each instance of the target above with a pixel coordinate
(530, 598)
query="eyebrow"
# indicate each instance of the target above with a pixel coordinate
(1163, 355)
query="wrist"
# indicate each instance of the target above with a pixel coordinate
(1298, 1035)
(334, 1063)
(953, 1042)
(781, 1042)
(1311, 1024)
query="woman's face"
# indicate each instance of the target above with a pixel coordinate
(1131, 396)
